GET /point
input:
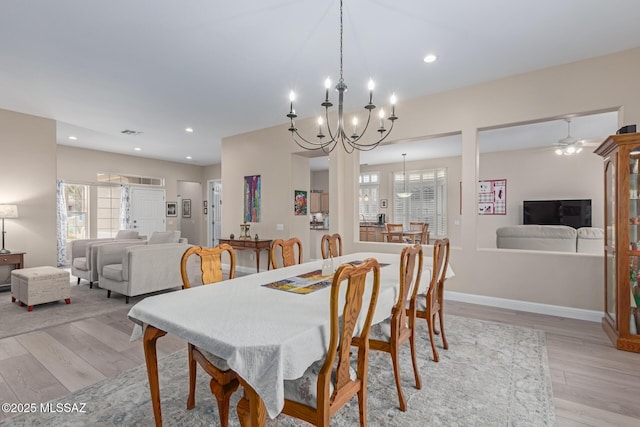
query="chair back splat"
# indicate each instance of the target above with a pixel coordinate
(287, 249)
(331, 245)
(210, 263)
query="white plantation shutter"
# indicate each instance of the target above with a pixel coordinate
(369, 187)
(428, 201)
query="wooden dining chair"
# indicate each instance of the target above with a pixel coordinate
(224, 382)
(399, 328)
(288, 251)
(394, 232)
(331, 245)
(423, 227)
(432, 303)
(329, 384)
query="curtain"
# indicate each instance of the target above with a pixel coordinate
(125, 207)
(61, 223)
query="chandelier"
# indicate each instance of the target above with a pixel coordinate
(405, 193)
(352, 142)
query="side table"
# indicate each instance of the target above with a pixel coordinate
(256, 245)
(15, 259)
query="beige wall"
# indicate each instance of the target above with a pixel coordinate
(599, 84)
(79, 165)
(28, 179)
(540, 175)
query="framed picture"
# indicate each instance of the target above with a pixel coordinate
(205, 211)
(252, 198)
(383, 203)
(186, 208)
(299, 202)
(172, 209)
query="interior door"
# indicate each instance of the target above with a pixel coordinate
(148, 210)
(215, 211)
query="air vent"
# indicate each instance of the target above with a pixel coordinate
(131, 132)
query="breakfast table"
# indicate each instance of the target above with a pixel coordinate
(269, 326)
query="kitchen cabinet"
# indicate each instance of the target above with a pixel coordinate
(319, 203)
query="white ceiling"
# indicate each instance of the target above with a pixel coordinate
(223, 68)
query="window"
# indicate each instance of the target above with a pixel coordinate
(77, 201)
(108, 212)
(368, 196)
(428, 201)
(129, 179)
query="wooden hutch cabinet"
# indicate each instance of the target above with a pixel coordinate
(621, 319)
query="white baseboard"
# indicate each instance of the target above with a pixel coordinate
(531, 307)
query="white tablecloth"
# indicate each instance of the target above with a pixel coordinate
(265, 335)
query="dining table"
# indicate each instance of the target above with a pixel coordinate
(412, 235)
(269, 327)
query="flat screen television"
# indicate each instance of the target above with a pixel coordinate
(574, 213)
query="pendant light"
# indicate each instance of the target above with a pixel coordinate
(404, 194)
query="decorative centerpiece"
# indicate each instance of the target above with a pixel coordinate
(232, 236)
(256, 238)
(244, 230)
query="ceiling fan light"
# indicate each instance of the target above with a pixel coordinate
(559, 151)
(570, 149)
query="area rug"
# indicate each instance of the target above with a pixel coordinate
(492, 375)
(85, 303)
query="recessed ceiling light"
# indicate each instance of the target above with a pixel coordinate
(189, 130)
(137, 148)
(188, 157)
(73, 138)
(430, 58)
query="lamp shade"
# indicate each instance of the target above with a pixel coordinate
(8, 211)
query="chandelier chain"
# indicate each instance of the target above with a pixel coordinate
(341, 78)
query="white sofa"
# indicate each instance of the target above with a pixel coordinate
(83, 253)
(558, 238)
(141, 269)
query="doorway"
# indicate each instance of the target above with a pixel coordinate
(214, 216)
(147, 210)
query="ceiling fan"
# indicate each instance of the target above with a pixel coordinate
(568, 145)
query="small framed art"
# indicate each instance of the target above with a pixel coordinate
(172, 209)
(186, 208)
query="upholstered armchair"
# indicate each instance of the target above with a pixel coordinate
(83, 253)
(141, 269)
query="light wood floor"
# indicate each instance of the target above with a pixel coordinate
(593, 384)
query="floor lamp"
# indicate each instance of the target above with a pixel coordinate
(7, 211)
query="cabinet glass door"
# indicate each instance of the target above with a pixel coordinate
(610, 219)
(634, 241)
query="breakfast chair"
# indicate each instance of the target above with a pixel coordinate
(224, 382)
(331, 246)
(399, 328)
(329, 384)
(433, 302)
(288, 251)
(394, 232)
(423, 227)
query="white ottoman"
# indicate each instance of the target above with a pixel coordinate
(37, 285)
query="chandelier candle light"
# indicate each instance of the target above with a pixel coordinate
(350, 143)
